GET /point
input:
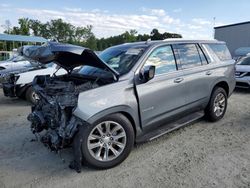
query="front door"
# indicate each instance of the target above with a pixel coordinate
(164, 95)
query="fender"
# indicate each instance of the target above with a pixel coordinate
(221, 80)
(126, 110)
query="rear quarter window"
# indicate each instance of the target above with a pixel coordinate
(220, 50)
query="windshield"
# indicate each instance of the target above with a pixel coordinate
(121, 59)
(244, 61)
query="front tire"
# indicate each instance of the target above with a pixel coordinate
(217, 105)
(107, 142)
(31, 96)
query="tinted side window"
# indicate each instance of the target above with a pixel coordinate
(202, 56)
(189, 55)
(206, 52)
(163, 60)
(221, 51)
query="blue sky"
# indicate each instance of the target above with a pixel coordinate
(192, 19)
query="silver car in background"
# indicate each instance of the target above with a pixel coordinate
(128, 94)
(242, 73)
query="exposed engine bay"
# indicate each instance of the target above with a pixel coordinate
(52, 113)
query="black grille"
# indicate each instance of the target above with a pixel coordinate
(242, 74)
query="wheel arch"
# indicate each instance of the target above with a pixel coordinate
(21, 90)
(124, 110)
(222, 84)
(130, 118)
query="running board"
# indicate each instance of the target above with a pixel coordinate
(191, 118)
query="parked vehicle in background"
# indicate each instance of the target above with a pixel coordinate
(242, 73)
(131, 93)
(241, 52)
(17, 64)
(5, 55)
(20, 84)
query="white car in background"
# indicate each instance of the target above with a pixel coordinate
(20, 85)
(17, 64)
(242, 73)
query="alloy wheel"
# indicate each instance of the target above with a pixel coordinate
(107, 141)
(219, 104)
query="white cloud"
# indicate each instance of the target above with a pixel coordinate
(107, 24)
(169, 20)
(5, 5)
(220, 23)
(72, 9)
(194, 26)
(201, 21)
(155, 12)
(158, 12)
(177, 10)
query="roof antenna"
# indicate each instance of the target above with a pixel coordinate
(149, 40)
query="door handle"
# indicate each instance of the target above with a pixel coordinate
(208, 73)
(178, 80)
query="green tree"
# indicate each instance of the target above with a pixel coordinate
(82, 34)
(155, 35)
(36, 27)
(65, 32)
(91, 43)
(15, 31)
(60, 30)
(24, 26)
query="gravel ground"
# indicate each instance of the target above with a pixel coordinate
(200, 155)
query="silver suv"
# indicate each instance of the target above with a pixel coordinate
(128, 94)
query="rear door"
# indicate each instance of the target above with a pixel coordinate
(163, 96)
(196, 73)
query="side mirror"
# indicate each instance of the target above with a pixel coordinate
(147, 73)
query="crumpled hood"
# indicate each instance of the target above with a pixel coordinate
(65, 55)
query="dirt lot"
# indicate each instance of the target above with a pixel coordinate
(200, 155)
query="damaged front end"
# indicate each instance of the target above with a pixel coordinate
(52, 116)
(53, 111)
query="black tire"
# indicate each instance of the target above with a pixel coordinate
(22, 97)
(130, 137)
(210, 109)
(29, 95)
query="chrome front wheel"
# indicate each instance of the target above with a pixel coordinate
(107, 141)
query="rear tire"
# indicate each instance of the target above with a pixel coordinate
(107, 142)
(217, 105)
(30, 95)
